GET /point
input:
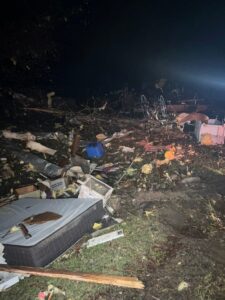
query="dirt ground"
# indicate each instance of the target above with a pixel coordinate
(174, 216)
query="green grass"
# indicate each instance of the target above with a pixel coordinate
(211, 287)
(126, 256)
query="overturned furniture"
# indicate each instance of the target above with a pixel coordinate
(47, 240)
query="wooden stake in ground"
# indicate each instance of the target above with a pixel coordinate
(129, 282)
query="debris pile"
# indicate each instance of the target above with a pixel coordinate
(94, 154)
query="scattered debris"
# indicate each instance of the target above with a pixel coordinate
(170, 155)
(104, 238)
(40, 165)
(75, 145)
(40, 148)
(101, 137)
(85, 165)
(118, 135)
(159, 162)
(182, 285)
(25, 190)
(49, 97)
(18, 136)
(129, 282)
(94, 188)
(97, 226)
(149, 147)
(46, 110)
(185, 117)
(147, 169)
(138, 159)
(7, 172)
(190, 180)
(212, 133)
(95, 150)
(126, 149)
(58, 184)
(95, 155)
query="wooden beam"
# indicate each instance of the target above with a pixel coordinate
(46, 110)
(129, 282)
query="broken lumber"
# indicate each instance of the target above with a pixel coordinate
(46, 110)
(25, 189)
(40, 148)
(129, 282)
(18, 136)
(186, 117)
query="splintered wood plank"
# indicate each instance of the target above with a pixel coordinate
(122, 281)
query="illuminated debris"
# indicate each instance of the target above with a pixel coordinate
(147, 169)
(212, 133)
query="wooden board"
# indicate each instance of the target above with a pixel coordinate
(129, 282)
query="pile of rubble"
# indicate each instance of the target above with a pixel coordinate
(90, 155)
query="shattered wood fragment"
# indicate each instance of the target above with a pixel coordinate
(149, 147)
(159, 162)
(25, 190)
(18, 136)
(49, 97)
(101, 137)
(40, 148)
(122, 281)
(46, 110)
(185, 117)
(178, 108)
(126, 149)
(75, 145)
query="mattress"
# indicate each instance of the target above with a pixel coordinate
(52, 238)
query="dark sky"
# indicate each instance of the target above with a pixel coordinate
(137, 41)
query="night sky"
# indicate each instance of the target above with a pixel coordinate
(114, 43)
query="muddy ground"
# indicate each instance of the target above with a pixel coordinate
(185, 257)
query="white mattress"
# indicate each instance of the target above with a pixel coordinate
(16, 212)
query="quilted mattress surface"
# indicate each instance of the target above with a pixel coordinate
(16, 212)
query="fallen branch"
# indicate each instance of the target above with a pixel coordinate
(129, 282)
